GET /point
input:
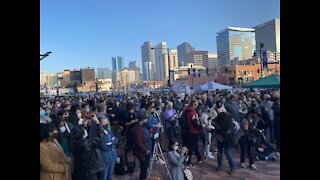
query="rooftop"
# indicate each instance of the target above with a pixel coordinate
(237, 29)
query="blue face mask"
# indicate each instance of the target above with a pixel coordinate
(88, 110)
(42, 113)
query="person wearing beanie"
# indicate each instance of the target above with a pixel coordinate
(247, 142)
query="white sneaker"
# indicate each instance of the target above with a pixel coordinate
(210, 156)
(253, 166)
(243, 165)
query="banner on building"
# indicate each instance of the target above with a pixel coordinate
(264, 60)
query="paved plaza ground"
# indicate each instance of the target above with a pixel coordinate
(267, 170)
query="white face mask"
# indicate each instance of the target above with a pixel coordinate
(79, 115)
(85, 134)
(63, 129)
(80, 121)
(176, 148)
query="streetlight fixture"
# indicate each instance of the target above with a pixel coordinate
(169, 80)
(42, 56)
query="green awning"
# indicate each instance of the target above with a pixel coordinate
(272, 81)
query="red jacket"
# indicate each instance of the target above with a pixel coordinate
(140, 143)
(191, 112)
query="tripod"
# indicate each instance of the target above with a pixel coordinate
(157, 151)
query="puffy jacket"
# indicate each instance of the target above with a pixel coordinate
(87, 155)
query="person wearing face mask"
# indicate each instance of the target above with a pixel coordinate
(56, 108)
(43, 116)
(108, 149)
(176, 160)
(75, 114)
(131, 121)
(88, 160)
(54, 164)
(169, 117)
(64, 132)
(142, 145)
(232, 107)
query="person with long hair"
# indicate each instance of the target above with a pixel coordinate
(54, 164)
(88, 161)
(176, 159)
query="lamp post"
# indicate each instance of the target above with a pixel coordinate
(169, 79)
(42, 56)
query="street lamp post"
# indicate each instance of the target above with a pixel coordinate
(42, 56)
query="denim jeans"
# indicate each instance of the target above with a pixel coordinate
(263, 155)
(106, 174)
(227, 150)
(170, 134)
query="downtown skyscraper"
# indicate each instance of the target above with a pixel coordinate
(117, 63)
(148, 64)
(234, 43)
(183, 50)
(159, 50)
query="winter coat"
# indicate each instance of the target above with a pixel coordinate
(140, 142)
(191, 114)
(109, 153)
(233, 109)
(176, 165)
(168, 116)
(53, 162)
(87, 155)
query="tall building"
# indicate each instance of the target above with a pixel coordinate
(212, 61)
(269, 34)
(75, 78)
(164, 65)
(134, 67)
(198, 58)
(65, 82)
(183, 50)
(104, 73)
(159, 50)
(235, 42)
(87, 74)
(117, 63)
(148, 66)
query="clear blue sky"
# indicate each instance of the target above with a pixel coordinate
(83, 33)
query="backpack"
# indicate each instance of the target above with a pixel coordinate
(120, 167)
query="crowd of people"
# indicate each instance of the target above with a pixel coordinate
(81, 137)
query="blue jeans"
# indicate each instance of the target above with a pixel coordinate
(106, 174)
(227, 150)
(264, 155)
(170, 133)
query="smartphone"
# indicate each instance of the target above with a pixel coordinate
(155, 136)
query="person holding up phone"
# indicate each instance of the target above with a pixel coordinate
(176, 160)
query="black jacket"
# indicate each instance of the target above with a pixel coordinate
(87, 155)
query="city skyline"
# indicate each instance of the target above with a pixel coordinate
(82, 33)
